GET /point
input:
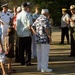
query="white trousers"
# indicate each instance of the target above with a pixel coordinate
(33, 47)
(42, 56)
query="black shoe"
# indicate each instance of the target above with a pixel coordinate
(22, 63)
(17, 61)
(67, 43)
(28, 64)
(61, 43)
(71, 55)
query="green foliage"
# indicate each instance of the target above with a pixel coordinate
(54, 6)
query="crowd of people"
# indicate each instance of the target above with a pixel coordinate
(32, 35)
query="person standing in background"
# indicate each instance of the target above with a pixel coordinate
(50, 19)
(14, 10)
(14, 16)
(35, 16)
(72, 30)
(6, 17)
(51, 23)
(64, 26)
(23, 28)
(9, 47)
(17, 55)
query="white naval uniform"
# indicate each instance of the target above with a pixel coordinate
(5, 17)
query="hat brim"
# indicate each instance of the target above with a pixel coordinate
(5, 5)
(64, 10)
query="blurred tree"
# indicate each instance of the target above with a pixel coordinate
(54, 6)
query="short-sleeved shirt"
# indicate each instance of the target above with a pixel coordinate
(5, 17)
(41, 24)
(35, 16)
(64, 20)
(23, 21)
(31, 17)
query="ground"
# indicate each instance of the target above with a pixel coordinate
(59, 59)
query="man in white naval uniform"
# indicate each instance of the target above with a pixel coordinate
(5, 17)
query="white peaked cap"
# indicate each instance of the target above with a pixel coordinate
(19, 9)
(4, 5)
(44, 11)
